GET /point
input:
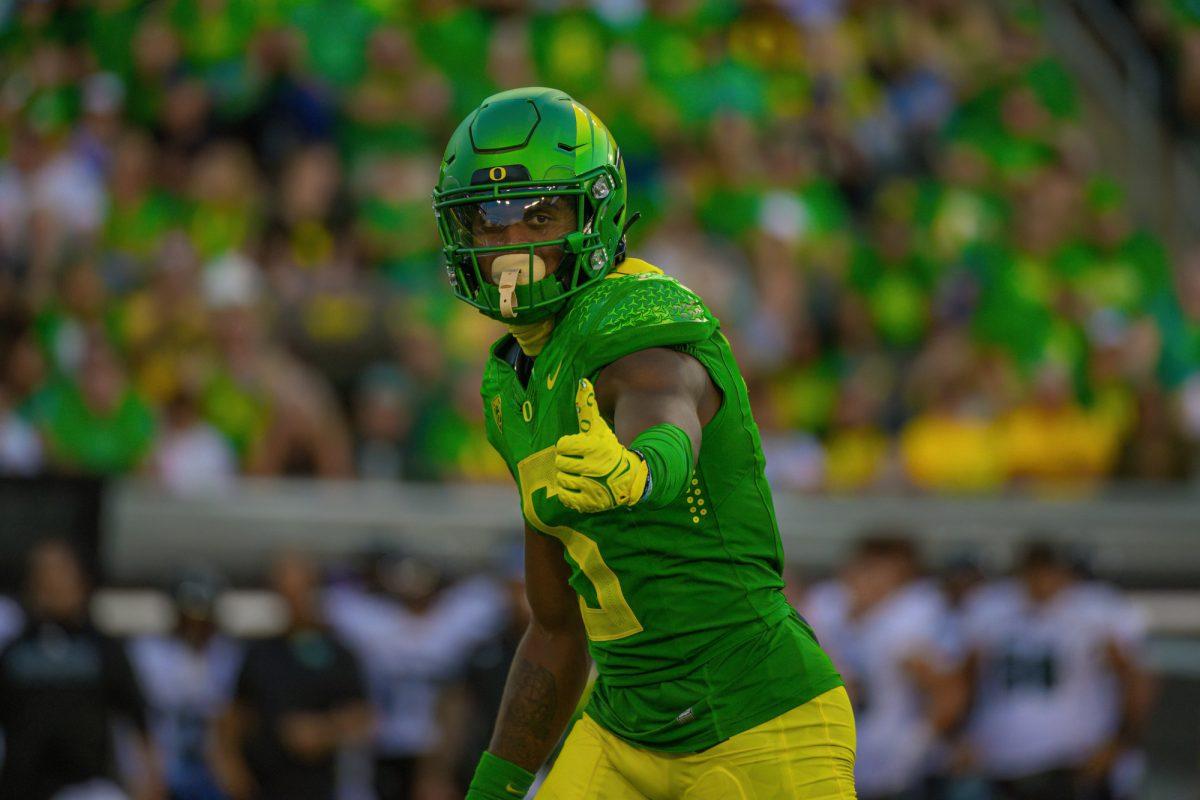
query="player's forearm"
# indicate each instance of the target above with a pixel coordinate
(351, 725)
(453, 716)
(1137, 693)
(946, 694)
(149, 784)
(225, 755)
(544, 683)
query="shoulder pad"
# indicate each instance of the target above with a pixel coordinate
(626, 313)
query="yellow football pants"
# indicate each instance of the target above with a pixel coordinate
(804, 754)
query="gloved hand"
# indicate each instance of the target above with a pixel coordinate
(594, 471)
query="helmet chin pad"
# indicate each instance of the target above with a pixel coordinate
(510, 269)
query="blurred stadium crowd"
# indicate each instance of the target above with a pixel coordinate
(382, 681)
(217, 254)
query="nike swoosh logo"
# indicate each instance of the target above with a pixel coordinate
(550, 381)
(514, 791)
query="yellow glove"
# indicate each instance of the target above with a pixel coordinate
(595, 472)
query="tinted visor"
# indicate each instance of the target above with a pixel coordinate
(514, 221)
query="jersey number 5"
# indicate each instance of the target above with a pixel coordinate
(614, 619)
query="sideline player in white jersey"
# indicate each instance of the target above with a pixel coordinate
(1059, 693)
(187, 678)
(413, 639)
(885, 628)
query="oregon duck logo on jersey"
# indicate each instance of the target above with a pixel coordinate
(497, 414)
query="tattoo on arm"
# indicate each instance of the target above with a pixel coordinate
(550, 666)
(526, 730)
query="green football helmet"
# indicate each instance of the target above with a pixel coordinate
(521, 158)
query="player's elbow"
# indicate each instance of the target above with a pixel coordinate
(561, 627)
(557, 637)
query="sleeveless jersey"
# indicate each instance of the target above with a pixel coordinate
(687, 623)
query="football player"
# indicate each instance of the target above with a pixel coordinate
(412, 636)
(187, 678)
(885, 628)
(651, 539)
(1060, 693)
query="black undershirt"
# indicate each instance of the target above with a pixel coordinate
(522, 364)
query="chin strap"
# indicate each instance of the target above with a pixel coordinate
(622, 244)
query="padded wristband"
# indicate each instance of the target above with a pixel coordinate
(667, 450)
(498, 779)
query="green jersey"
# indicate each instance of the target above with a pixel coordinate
(687, 623)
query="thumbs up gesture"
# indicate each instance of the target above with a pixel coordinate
(594, 471)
